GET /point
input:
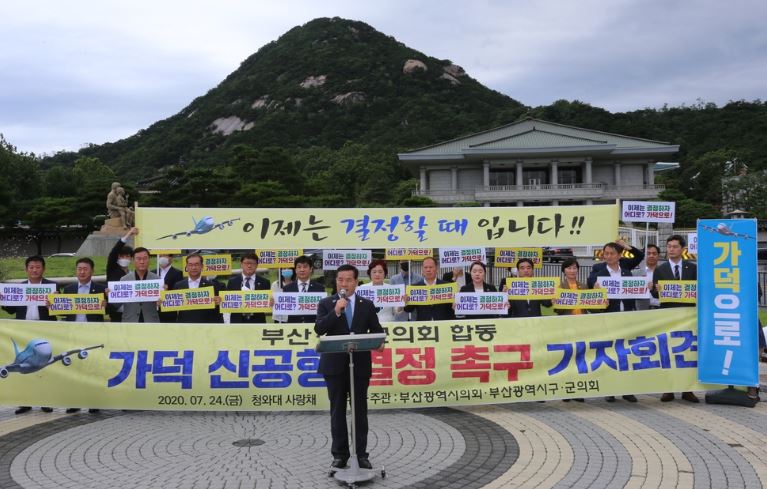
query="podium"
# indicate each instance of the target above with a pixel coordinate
(349, 344)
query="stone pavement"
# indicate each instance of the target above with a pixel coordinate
(529, 445)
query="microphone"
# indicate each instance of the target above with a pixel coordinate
(342, 295)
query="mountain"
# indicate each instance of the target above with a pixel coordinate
(322, 84)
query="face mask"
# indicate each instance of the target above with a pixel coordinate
(287, 273)
(123, 262)
(163, 261)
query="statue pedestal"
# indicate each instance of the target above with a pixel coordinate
(100, 243)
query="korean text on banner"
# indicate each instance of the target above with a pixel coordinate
(277, 258)
(297, 303)
(386, 295)
(425, 295)
(376, 227)
(245, 301)
(70, 304)
(134, 291)
(531, 288)
(440, 363)
(640, 211)
(461, 257)
(413, 254)
(580, 299)
(187, 299)
(508, 257)
(678, 291)
(12, 295)
(727, 311)
(213, 265)
(476, 303)
(625, 287)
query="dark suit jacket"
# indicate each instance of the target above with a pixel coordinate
(626, 265)
(171, 277)
(95, 289)
(313, 287)
(200, 315)
(486, 287)
(365, 320)
(434, 312)
(257, 283)
(689, 271)
(21, 311)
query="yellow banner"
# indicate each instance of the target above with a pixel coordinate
(508, 257)
(425, 295)
(246, 301)
(532, 288)
(213, 265)
(187, 299)
(273, 367)
(376, 227)
(66, 304)
(412, 254)
(580, 299)
(277, 258)
(678, 291)
(164, 252)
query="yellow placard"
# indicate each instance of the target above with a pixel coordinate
(678, 291)
(531, 288)
(376, 227)
(273, 367)
(580, 299)
(508, 257)
(424, 295)
(187, 299)
(412, 254)
(66, 304)
(245, 301)
(213, 265)
(278, 258)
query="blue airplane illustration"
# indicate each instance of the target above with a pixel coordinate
(204, 225)
(38, 355)
(724, 230)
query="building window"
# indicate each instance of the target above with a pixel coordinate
(502, 177)
(569, 175)
(535, 177)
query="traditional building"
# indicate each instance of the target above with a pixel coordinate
(534, 162)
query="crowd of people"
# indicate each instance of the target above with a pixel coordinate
(619, 259)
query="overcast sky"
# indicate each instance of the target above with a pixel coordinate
(81, 71)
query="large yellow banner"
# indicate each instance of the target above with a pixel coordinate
(375, 228)
(273, 366)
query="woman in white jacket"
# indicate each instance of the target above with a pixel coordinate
(377, 273)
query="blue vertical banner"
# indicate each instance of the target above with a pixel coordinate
(728, 341)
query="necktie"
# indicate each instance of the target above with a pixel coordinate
(676, 272)
(303, 287)
(247, 282)
(349, 315)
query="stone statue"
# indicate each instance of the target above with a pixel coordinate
(117, 206)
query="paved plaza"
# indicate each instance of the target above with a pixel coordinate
(528, 445)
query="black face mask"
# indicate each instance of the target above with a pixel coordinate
(405, 266)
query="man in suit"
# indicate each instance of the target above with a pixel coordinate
(651, 263)
(169, 275)
(303, 283)
(35, 268)
(248, 280)
(525, 308)
(193, 281)
(140, 312)
(615, 266)
(433, 312)
(339, 316)
(118, 261)
(675, 269)
(84, 285)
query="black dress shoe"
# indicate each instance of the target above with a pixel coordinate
(364, 463)
(690, 397)
(46, 409)
(94, 411)
(667, 397)
(72, 410)
(338, 463)
(630, 398)
(610, 398)
(23, 409)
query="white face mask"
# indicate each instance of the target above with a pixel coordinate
(163, 261)
(123, 262)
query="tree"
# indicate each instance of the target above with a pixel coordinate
(747, 192)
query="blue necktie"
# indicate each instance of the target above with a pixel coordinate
(349, 314)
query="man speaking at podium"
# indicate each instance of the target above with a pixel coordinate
(335, 314)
